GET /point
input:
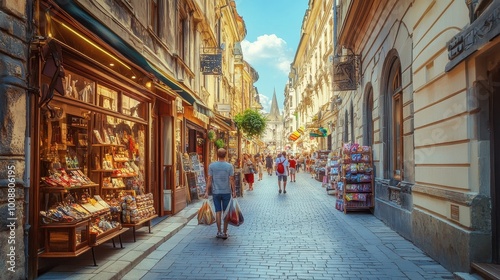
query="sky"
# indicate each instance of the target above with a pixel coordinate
(273, 34)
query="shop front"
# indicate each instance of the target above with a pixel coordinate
(102, 144)
(192, 149)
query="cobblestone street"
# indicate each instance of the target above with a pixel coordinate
(297, 235)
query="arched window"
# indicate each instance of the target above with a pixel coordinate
(394, 120)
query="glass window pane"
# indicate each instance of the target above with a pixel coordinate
(78, 87)
(132, 107)
(107, 98)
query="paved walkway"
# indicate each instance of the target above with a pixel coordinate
(298, 235)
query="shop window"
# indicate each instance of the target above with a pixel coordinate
(78, 87)
(132, 107)
(107, 98)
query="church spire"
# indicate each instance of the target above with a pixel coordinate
(274, 113)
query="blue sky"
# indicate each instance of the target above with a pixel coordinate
(273, 34)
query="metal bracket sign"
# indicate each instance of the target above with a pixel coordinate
(346, 71)
(211, 61)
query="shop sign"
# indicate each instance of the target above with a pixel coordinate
(223, 107)
(473, 37)
(346, 71)
(211, 64)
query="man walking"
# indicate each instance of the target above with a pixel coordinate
(221, 182)
(281, 165)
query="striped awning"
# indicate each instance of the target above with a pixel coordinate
(296, 134)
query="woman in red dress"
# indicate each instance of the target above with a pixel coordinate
(248, 171)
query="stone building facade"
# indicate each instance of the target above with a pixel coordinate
(14, 136)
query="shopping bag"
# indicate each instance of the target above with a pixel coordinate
(206, 215)
(233, 214)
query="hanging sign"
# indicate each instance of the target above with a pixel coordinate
(211, 64)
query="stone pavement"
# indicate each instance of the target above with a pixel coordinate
(298, 235)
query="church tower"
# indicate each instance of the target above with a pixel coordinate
(273, 136)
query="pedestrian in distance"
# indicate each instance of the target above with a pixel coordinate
(269, 164)
(221, 183)
(281, 166)
(260, 167)
(293, 163)
(248, 171)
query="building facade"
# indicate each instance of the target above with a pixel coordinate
(103, 96)
(309, 94)
(425, 79)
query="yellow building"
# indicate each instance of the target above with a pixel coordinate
(309, 94)
(425, 79)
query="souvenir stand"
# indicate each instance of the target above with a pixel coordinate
(195, 176)
(333, 177)
(320, 164)
(355, 187)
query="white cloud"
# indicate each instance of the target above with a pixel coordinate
(269, 49)
(266, 102)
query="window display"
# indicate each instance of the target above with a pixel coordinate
(90, 163)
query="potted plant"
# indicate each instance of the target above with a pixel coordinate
(211, 135)
(219, 143)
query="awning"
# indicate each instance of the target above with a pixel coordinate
(202, 112)
(222, 122)
(296, 134)
(121, 46)
(320, 132)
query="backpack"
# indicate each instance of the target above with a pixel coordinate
(280, 167)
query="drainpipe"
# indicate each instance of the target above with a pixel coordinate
(31, 7)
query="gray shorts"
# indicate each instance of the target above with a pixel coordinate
(292, 170)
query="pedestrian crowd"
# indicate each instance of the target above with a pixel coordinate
(221, 181)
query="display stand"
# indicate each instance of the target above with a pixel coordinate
(106, 237)
(139, 224)
(333, 176)
(320, 164)
(355, 190)
(62, 239)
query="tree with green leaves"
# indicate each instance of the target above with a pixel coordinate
(251, 122)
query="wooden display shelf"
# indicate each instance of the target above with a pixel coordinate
(64, 254)
(140, 224)
(63, 189)
(106, 145)
(112, 188)
(60, 239)
(106, 236)
(121, 160)
(124, 176)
